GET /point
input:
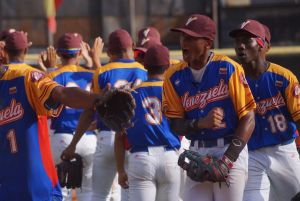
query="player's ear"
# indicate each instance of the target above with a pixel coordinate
(209, 44)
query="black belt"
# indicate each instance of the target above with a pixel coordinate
(220, 142)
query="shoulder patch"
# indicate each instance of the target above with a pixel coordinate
(296, 89)
(36, 76)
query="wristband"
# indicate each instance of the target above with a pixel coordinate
(235, 148)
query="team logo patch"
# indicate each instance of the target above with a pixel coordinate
(223, 71)
(36, 76)
(297, 89)
(12, 90)
(190, 20)
(278, 83)
(243, 80)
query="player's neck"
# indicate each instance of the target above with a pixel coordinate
(72, 61)
(202, 61)
(255, 68)
(156, 76)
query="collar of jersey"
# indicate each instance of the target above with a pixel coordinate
(153, 80)
(124, 60)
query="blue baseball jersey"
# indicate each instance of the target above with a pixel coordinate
(119, 73)
(70, 76)
(277, 95)
(151, 127)
(27, 170)
(223, 85)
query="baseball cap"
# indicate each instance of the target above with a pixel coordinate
(16, 40)
(267, 33)
(69, 43)
(157, 55)
(147, 37)
(5, 33)
(199, 26)
(251, 26)
(119, 40)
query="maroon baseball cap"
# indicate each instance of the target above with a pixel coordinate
(157, 55)
(253, 27)
(16, 40)
(119, 40)
(69, 41)
(5, 33)
(146, 38)
(268, 33)
(199, 26)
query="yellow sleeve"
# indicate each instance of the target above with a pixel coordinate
(292, 94)
(240, 93)
(95, 85)
(38, 89)
(171, 102)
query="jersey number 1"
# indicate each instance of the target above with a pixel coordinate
(11, 137)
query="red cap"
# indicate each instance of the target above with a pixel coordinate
(157, 55)
(69, 41)
(16, 41)
(268, 34)
(147, 37)
(5, 33)
(119, 40)
(199, 26)
(251, 26)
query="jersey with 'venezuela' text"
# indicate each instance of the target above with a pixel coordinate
(27, 171)
(151, 127)
(120, 73)
(70, 76)
(223, 85)
(277, 96)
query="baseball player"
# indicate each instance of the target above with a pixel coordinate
(153, 173)
(121, 71)
(70, 74)
(3, 35)
(274, 165)
(208, 99)
(147, 37)
(27, 171)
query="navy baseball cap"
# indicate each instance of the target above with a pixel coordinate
(199, 26)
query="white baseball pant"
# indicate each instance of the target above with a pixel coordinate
(86, 148)
(208, 191)
(154, 175)
(185, 144)
(274, 173)
(105, 181)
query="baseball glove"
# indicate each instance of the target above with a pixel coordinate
(204, 168)
(296, 197)
(70, 172)
(117, 109)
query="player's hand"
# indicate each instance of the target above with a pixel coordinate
(48, 57)
(123, 179)
(96, 51)
(85, 49)
(68, 153)
(213, 120)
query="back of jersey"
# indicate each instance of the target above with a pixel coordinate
(119, 73)
(27, 170)
(70, 76)
(151, 127)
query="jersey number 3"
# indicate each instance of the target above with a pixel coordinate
(153, 104)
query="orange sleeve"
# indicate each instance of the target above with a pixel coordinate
(95, 85)
(38, 89)
(240, 93)
(298, 141)
(171, 102)
(292, 96)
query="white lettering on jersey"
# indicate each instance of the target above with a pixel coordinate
(201, 99)
(267, 104)
(11, 113)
